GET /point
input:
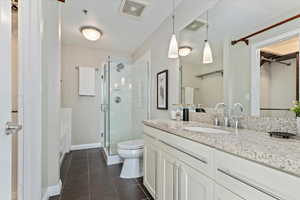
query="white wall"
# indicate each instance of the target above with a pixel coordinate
(86, 114)
(51, 55)
(158, 44)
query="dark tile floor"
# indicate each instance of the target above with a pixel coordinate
(85, 176)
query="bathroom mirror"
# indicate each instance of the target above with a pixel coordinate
(254, 73)
(279, 77)
(200, 83)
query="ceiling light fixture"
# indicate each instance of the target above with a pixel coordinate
(91, 33)
(184, 51)
(173, 47)
(207, 53)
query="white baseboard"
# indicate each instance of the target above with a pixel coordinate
(53, 190)
(112, 160)
(85, 146)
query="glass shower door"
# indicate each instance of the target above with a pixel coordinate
(120, 104)
(105, 105)
(125, 102)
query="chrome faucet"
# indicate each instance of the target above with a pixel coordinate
(224, 112)
(236, 118)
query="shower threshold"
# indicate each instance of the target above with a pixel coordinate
(111, 159)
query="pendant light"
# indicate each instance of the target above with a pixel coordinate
(207, 53)
(173, 47)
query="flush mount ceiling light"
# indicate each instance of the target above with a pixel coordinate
(207, 53)
(91, 33)
(173, 47)
(184, 51)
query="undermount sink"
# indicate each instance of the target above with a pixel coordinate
(205, 130)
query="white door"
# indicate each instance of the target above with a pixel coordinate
(5, 100)
(193, 185)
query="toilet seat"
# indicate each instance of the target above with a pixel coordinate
(131, 145)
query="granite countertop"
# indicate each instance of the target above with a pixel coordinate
(277, 153)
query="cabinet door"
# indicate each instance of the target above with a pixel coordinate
(223, 194)
(150, 167)
(167, 173)
(193, 185)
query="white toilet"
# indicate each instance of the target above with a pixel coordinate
(132, 154)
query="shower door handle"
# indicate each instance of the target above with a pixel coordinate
(12, 128)
(103, 107)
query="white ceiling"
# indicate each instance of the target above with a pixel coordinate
(232, 17)
(121, 33)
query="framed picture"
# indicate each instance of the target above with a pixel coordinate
(162, 90)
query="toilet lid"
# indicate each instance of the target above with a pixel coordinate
(131, 144)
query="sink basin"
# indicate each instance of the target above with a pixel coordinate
(205, 130)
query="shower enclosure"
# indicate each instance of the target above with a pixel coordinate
(125, 94)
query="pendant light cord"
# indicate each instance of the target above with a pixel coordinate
(207, 26)
(173, 17)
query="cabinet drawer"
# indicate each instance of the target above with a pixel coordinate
(254, 181)
(194, 154)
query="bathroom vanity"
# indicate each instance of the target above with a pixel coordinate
(182, 162)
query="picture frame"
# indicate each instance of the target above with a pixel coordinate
(162, 90)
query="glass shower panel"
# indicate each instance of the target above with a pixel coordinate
(140, 98)
(125, 101)
(120, 104)
(104, 98)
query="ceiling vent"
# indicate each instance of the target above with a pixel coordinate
(195, 25)
(134, 8)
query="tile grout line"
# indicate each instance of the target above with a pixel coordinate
(66, 177)
(89, 184)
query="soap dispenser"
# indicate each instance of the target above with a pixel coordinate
(185, 113)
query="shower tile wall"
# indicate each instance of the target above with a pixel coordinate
(120, 105)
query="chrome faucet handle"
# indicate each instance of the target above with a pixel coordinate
(226, 121)
(236, 123)
(216, 121)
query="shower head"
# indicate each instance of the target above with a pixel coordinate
(120, 66)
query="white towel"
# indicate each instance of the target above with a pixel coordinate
(189, 95)
(87, 81)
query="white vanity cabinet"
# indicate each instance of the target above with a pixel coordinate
(179, 181)
(223, 194)
(151, 154)
(193, 185)
(179, 169)
(168, 177)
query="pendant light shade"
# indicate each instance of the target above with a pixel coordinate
(207, 53)
(173, 47)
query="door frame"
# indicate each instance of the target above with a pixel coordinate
(255, 67)
(30, 100)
